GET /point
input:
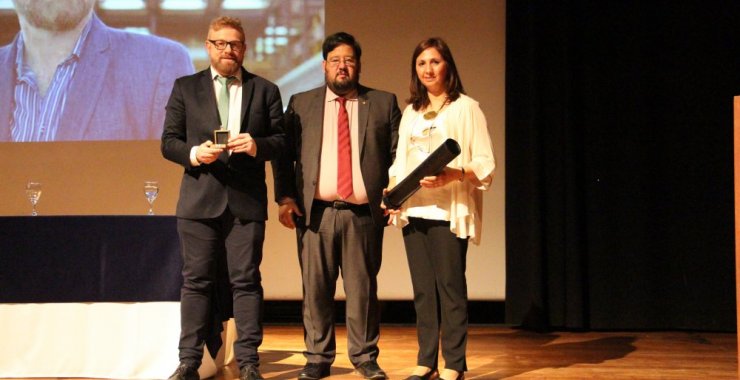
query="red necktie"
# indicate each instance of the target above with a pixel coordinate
(344, 153)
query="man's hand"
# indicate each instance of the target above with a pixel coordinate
(242, 143)
(208, 152)
(286, 212)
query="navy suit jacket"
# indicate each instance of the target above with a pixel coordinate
(119, 88)
(297, 172)
(236, 180)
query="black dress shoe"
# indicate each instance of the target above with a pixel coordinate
(370, 370)
(314, 371)
(185, 372)
(431, 375)
(250, 372)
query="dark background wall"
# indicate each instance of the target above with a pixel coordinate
(619, 152)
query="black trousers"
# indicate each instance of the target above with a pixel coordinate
(203, 240)
(437, 261)
(343, 240)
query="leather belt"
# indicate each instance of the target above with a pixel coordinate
(341, 205)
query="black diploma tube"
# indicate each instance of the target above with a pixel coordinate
(431, 166)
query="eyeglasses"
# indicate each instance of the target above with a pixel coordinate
(334, 62)
(221, 44)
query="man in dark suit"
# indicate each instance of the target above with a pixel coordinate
(223, 196)
(67, 76)
(329, 185)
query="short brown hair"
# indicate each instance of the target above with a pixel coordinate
(221, 22)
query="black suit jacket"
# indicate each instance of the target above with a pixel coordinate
(236, 180)
(297, 172)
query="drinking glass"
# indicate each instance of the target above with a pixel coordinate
(33, 192)
(151, 189)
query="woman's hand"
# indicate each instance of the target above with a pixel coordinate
(442, 178)
(389, 211)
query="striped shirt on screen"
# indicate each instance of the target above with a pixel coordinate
(36, 117)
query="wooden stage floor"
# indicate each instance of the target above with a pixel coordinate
(499, 352)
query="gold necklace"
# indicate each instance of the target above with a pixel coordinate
(433, 114)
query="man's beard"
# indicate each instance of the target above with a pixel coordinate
(342, 87)
(54, 15)
(227, 66)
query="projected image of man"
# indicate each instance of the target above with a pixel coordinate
(67, 76)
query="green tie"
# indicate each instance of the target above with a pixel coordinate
(223, 100)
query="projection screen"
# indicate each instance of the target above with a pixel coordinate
(100, 149)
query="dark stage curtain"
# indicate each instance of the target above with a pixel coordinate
(619, 155)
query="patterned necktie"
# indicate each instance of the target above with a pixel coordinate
(223, 100)
(344, 152)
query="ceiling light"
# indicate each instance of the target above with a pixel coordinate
(117, 5)
(245, 4)
(183, 5)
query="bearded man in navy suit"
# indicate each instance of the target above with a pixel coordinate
(222, 207)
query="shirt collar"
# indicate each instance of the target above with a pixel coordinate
(215, 74)
(331, 96)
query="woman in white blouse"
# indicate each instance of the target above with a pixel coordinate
(445, 214)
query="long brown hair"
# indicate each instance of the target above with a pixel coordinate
(419, 98)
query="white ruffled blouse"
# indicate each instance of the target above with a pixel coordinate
(463, 121)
